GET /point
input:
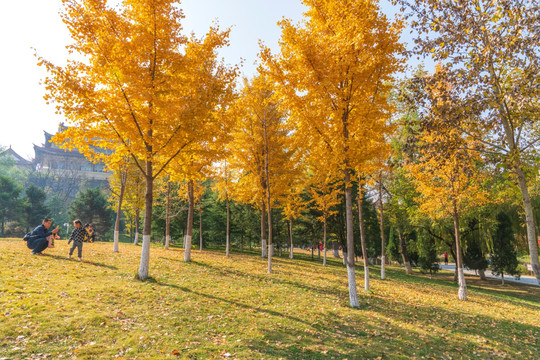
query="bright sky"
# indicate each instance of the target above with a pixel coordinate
(27, 24)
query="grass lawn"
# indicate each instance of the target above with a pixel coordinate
(230, 308)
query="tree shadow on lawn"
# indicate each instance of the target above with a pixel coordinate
(491, 332)
(386, 327)
(238, 304)
(58, 257)
(269, 278)
(399, 330)
(515, 293)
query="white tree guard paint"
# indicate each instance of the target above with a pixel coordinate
(145, 258)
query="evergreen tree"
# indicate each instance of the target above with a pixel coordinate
(10, 202)
(35, 209)
(392, 248)
(91, 206)
(504, 256)
(474, 257)
(427, 254)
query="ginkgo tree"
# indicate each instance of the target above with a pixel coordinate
(292, 201)
(324, 188)
(334, 71)
(138, 84)
(224, 187)
(260, 152)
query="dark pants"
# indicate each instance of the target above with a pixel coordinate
(38, 245)
(77, 245)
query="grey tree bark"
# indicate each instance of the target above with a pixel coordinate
(123, 180)
(404, 253)
(363, 241)
(383, 242)
(168, 216)
(462, 291)
(189, 227)
(263, 230)
(148, 199)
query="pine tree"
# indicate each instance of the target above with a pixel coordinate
(504, 256)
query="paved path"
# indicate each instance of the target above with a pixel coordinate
(528, 280)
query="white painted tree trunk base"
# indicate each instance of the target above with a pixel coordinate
(324, 258)
(116, 240)
(383, 268)
(462, 291)
(187, 249)
(263, 248)
(408, 268)
(353, 294)
(167, 241)
(366, 277)
(271, 252)
(136, 240)
(145, 258)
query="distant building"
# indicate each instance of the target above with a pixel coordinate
(20, 162)
(49, 157)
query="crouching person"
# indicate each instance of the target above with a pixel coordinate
(77, 236)
(41, 237)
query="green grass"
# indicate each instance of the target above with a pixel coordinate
(213, 307)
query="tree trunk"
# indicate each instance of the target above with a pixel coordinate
(189, 227)
(147, 229)
(383, 242)
(529, 220)
(168, 216)
(335, 249)
(131, 232)
(363, 239)
(200, 230)
(502, 278)
(353, 295)
(404, 253)
(324, 242)
(268, 202)
(228, 236)
(518, 169)
(482, 274)
(263, 229)
(137, 219)
(291, 252)
(123, 179)
(462, 292)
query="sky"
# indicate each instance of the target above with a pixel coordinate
(30, 26)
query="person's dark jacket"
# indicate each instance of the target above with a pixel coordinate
(40, 232)
(77, 236)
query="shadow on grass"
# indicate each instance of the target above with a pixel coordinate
(241, 305)
(518, 294)
(393, 328)
(58, 257)
(269, 278)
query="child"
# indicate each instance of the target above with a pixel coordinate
(77, 236)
